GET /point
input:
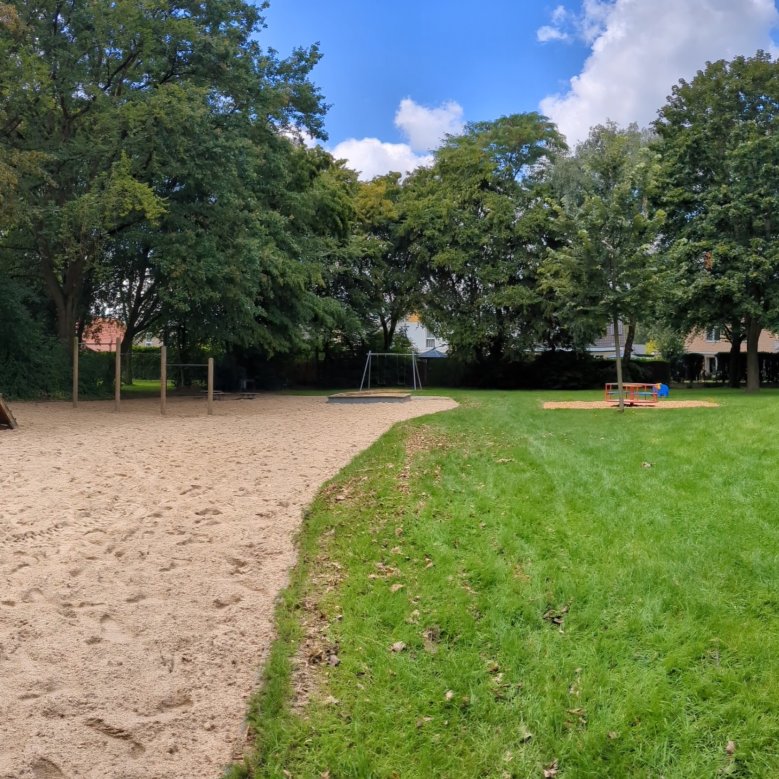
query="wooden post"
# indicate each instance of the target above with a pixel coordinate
(75, 372)
(6, 417)
(163, 379)
(118, 375)
(210, 386)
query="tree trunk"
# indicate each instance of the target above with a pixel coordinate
(627, 352)
(618, 359)
(65, 305)
(127, 348)
(735, 362)
(65, 293)
(753, 359)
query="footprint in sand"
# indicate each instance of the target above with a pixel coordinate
(45, 769)
(112, 731)
(33, 596)
(224, 601)
(113, 631)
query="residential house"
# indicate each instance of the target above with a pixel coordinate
(423, 342)
(604, 346)
(711, 342)
(100, 335)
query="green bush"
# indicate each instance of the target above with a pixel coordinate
(34, 364)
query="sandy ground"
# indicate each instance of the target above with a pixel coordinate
(139, 561)
(602, 404)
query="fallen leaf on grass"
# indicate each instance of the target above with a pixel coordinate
(398, 646)
(580, 714)
(423, 721)
(551, 770)
(431, 636)
(612, 734)
(333, 660)
(646, 465)
(556, 616)
(731, 747)
(503, 460)
(397, 587)
(330, 700)
(449, 695)
(525, 735)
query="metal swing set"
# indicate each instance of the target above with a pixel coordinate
(378, 374)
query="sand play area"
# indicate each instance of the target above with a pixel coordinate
(666, 404)
(139, 561)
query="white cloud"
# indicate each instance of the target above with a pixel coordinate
(549, 33)
(425, 127)
(299, 135)
(371, 157)
(641, 48)
(568, 26)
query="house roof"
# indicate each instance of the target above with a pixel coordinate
(431, 354)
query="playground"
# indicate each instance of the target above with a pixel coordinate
(140, 557)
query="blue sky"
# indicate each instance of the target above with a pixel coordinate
(399, 74)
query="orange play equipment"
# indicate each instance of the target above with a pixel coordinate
(633, 394)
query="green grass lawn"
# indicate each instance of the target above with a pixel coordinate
(582, 592)
(141, 388)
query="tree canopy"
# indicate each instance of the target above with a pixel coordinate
(477, 221)
(720, 159)
(148, 144)
(606, 269)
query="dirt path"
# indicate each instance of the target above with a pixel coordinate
(139, 561)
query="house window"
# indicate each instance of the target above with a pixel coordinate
(429, 343)
(713, 334)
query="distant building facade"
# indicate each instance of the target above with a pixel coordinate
(423, 341)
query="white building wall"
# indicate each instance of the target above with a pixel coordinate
(422, 340)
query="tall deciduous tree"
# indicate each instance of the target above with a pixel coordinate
(720, 146)
(606, 271)
(478, 219)
(377, 280)
(140, 110)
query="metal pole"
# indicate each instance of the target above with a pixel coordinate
(366, 369)
(75, 372)
(118, 375)
(163, 379)
(210, 386)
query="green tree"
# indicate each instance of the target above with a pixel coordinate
(606, 271)
(137, 112)
(377, 279)
(720, 187)
(479, 223)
